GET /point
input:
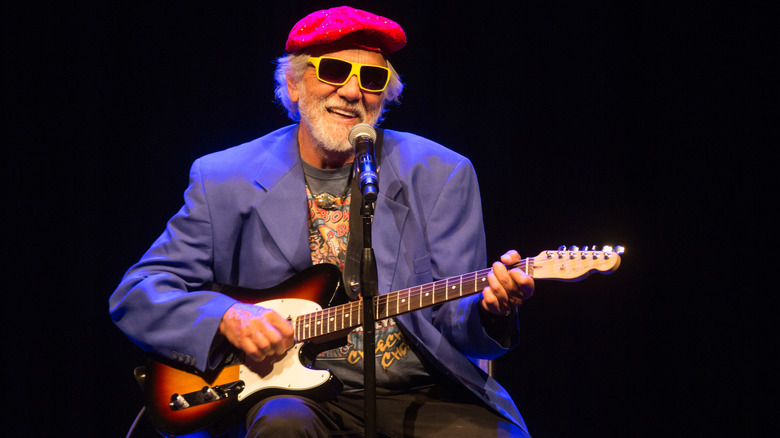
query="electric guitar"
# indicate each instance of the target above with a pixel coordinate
(180, 400)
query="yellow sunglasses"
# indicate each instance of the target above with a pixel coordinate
(337, 72)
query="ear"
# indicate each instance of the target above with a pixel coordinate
(292, 88)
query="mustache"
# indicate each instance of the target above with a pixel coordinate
(339, 103)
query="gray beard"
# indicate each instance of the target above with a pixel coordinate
(331, 137)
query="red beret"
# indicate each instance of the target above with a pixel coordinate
(359, 28)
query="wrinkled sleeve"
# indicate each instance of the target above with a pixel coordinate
(157, 304)
(456, 231)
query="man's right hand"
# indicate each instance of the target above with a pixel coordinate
(259, 332)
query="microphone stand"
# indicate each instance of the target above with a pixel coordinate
(368, 290)
(362, 137)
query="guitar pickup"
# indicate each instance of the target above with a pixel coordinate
(207, 394)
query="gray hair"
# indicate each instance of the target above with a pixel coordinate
(296, 64)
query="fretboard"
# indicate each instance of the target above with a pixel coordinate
(350, 315)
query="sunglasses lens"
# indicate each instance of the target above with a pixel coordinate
(333, 70)
(373, 78)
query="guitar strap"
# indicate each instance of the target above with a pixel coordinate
(351, 274)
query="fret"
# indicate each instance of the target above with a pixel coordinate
(482, 282)
(437, 289)
(346, 317)
(453, 290)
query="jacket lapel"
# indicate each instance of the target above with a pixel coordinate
(283, 208)
(388, 225)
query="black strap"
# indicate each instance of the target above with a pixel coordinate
(351, 274)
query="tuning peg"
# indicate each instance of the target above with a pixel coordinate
(574, 248)
(608, 250)
(562, 248)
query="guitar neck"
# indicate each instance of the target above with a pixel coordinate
(350, 315)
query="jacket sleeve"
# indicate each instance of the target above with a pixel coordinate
(457, 240)
(154, 304)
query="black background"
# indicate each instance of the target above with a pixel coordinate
(644, 124)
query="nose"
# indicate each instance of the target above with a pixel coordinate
(351, 90)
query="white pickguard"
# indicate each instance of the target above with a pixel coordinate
(289, 373)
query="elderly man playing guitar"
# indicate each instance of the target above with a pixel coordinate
(229, 284)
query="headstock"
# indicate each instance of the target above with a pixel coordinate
(573, 264)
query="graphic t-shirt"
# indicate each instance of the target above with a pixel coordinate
(397, 365)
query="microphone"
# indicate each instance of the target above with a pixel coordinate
(362, 138)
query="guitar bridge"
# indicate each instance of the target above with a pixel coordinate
(208, 394)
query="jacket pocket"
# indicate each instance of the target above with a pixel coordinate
(422, 264)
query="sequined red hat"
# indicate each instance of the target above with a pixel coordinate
(353, 26)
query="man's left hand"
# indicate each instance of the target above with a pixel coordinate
(508, 288)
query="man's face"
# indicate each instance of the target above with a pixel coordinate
(328, 112)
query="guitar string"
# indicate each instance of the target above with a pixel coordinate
(313, 322)
(438, 291)
(442, 287)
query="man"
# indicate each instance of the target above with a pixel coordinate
(259, 213)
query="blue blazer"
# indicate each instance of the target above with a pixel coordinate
(245, 222)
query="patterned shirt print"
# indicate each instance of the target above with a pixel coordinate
(328, 231)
